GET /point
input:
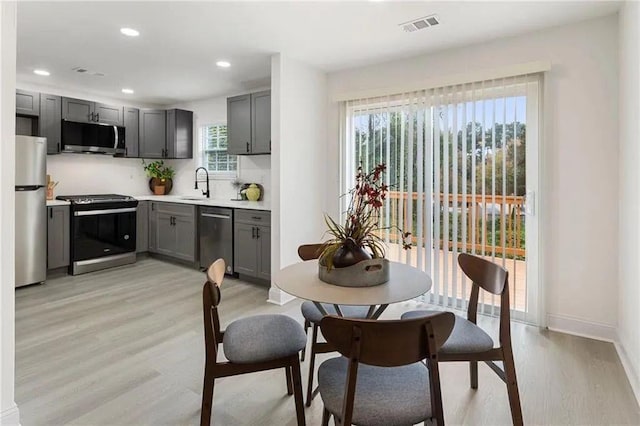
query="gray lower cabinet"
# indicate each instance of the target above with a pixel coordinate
(252, 244)
(153, 133)
(50, 124)
(27, 103)
(142, 227)
(172, 230)
(58, 237)
(131, 125)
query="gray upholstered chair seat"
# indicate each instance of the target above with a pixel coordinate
(385, 396)
(466, 337)
(263, 338)
(311, 313)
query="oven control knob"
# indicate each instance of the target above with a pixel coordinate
(126, 237)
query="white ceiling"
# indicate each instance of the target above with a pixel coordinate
(174, 57)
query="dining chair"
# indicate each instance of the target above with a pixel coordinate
(251, 344)
(380, 379)
(312, 317)
(468, 342)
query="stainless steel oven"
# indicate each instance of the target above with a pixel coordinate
(103, 231)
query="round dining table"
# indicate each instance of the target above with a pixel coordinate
(301, 280)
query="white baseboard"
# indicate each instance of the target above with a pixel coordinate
(10, 417)
(632, 374)
(278, 297)
(582, 328)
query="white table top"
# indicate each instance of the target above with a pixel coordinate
(301, 280)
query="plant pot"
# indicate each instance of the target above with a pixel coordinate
(349, 254)
(167, 184)
(159, 189)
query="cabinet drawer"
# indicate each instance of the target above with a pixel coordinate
(253, 217)
(174, 208)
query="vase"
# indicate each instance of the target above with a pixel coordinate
(159, 189)
(166, 183)
(349, 254)
(253, 192)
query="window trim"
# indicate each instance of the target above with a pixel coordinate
(213, 174)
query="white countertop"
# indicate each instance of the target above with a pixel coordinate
(202, 201)
(51, 203)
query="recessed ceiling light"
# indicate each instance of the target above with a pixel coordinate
(41, 72)
(223, 64)
(127, 91)
(129, 32)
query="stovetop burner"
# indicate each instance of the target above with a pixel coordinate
(97, 198)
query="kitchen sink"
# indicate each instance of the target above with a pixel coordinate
(192, 198)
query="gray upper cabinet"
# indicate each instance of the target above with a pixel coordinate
(108, 114)
(261, 122)
(153, 133)
(49, 124)
(58, 237)
(77, 110)
(172, 230)
(179, 134)
(249, 123)
(27, 103)
(239, 125)
(84, 111)
(131, 126)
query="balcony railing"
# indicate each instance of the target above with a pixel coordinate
(495, 224)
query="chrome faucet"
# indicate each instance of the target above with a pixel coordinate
(206, 193)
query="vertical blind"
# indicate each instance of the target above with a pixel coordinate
(456, 161)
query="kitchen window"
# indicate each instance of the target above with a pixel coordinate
(214, 152)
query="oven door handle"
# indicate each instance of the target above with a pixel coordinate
(105, 211)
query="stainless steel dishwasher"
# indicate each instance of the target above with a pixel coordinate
(216, 236)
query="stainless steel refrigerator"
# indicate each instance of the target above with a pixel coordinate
(31, 210)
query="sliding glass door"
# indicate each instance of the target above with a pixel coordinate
(462, 166)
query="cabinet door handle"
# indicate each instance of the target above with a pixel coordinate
(257, 232)
(247, 146)
(98, 116)
(51, 213)
(253, 232)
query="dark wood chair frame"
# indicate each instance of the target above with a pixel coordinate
(310, 252)
(495, 280)
(214, 370)
(388, 344)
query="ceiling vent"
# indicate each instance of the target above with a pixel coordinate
(82, 70)
(420, 23)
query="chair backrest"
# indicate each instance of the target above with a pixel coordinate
(389, 344)
(492, 278)
(310, 251)
(488, 275)
(210, 300)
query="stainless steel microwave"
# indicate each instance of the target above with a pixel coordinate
(92, 138)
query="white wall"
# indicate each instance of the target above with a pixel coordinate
(9, 414)
(298, 167)
(251, 168)
(579, 238)
(629, 213)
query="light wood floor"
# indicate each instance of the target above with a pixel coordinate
(125, 347)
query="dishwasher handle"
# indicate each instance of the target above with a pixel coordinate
(217, 216)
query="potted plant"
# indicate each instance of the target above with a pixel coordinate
(161, 176)
(359, 238)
